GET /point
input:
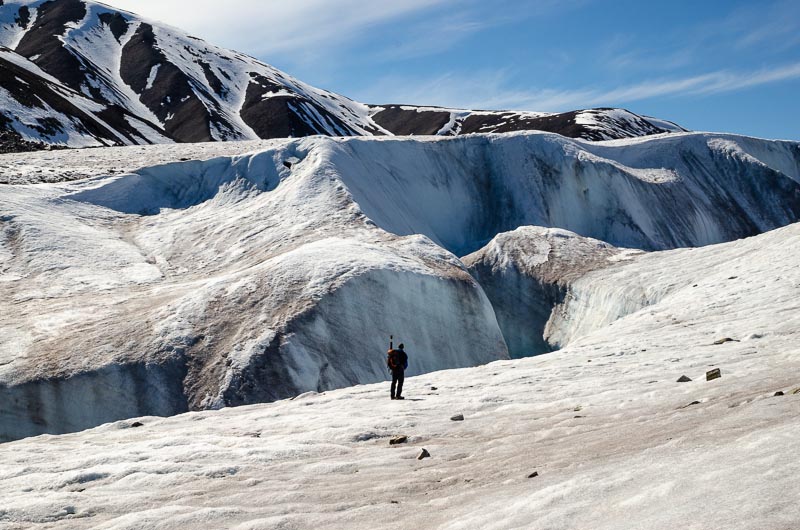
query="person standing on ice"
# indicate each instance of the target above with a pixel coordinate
(397, 361)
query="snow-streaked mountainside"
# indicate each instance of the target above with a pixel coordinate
(189, 89)
(78, 73)
(592, 124)
(598, 435)
(235, 278)
(36, 107)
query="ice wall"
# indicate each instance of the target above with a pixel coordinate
(551, 289)
(80, 401)
(527, 273)
(657, 193)
(255, 281)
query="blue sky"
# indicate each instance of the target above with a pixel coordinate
(708, 65)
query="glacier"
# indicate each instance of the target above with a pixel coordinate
(259, 275)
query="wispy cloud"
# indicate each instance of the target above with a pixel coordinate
(319, 33)
(492, 90)
(704, 84)
(430, 37)
(763, 26)
(764, 31)
(451, 25)
(265, 27)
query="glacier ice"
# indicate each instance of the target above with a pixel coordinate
(237, 279)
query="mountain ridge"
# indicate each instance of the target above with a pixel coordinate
(146, 82)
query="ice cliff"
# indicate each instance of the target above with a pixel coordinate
(529, 272)
(258, 276)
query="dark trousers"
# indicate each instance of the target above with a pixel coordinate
(397, 381)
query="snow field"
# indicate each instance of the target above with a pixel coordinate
(616, 441)
(66, 165)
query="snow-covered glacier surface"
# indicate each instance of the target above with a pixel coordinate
(256, 276)
(597, 435)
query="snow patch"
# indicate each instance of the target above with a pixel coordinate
(152, 77)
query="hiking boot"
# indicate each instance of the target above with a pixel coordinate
(399, 397)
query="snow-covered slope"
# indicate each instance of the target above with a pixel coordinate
(591, 124)
(191, 90)
(252, 277)
(36, 109)
(550, 287)
(598, 435)
(144, 82)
